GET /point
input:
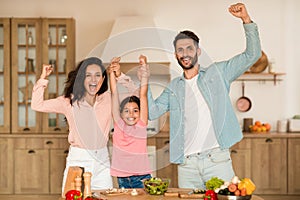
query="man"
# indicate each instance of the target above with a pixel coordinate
(203, 125)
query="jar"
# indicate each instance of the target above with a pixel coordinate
(282, 126)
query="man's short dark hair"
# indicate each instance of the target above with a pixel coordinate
(186, 35)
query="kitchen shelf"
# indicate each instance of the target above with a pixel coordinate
(262, 77)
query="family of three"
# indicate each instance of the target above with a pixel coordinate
(203, 125)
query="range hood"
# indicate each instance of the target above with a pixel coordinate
(135, 35)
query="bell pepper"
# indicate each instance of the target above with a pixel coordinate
(248, 185)
(74, 195)
(210, 195)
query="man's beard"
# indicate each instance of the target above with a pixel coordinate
(193, 63)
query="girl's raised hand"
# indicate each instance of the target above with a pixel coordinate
(142, 60)
(115, 66)
(143, 71)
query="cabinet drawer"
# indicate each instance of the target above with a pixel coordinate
(41, 143)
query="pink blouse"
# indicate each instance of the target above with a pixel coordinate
(130, 156)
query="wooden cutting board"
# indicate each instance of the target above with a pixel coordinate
(185, 195)
(72, 173)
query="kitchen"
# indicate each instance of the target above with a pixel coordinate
(276, 21)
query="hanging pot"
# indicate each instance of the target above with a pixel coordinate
(243, 103)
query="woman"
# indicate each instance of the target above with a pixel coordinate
(86, 104)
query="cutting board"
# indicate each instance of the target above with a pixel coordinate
(183, 194)
(73, 171)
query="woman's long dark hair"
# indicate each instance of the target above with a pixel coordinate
(74, 86)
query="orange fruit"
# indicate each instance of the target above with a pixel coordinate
(268, 126)
(254, 128)
(257, 123)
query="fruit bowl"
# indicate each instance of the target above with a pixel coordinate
(156, 186)
(232, 197)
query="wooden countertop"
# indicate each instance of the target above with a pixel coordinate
(143, 195)
(271, 135)
(248, 135)
(162, 134)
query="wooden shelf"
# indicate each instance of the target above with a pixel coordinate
(263, 77)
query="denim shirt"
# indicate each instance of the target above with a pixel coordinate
(214, 84)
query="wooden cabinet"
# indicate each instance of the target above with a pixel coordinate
(164, 168)
(269, 165)
(58, 44)
(6, 166)
(241, 158)
(271, 161)
(32, 164)
(25, 44)
(293, 185)
(31, 171)
(57, 166)
(5, 75)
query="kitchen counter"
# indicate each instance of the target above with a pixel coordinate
(164, 134)
(271, 135)
(143, 195)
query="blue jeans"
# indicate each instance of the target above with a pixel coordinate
(200, 167)
(132, 181)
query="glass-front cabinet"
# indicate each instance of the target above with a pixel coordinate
(26, 59)
(31, 43)
(59, 51)
(4, 75)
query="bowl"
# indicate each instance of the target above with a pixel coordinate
(156, 186)
(232, 197)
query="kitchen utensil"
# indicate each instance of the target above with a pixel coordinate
(243, 103)
(261, 64)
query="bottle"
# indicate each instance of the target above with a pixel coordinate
(63, 37)
(49, 39)
(30, 38)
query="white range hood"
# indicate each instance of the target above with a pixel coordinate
(135, 35)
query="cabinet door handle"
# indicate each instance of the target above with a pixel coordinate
(233, 151)
(66, 151)
(57, 129)
(26, 129)
(269, 140)
(31, 151)
(49, 142)
(167, 142)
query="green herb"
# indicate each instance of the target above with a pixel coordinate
(214, 183)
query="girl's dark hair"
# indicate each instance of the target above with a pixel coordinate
(74, 86)
(129, 99)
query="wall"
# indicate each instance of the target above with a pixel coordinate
(220, 33)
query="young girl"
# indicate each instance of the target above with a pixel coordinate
(86, 104)
(130, 163)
